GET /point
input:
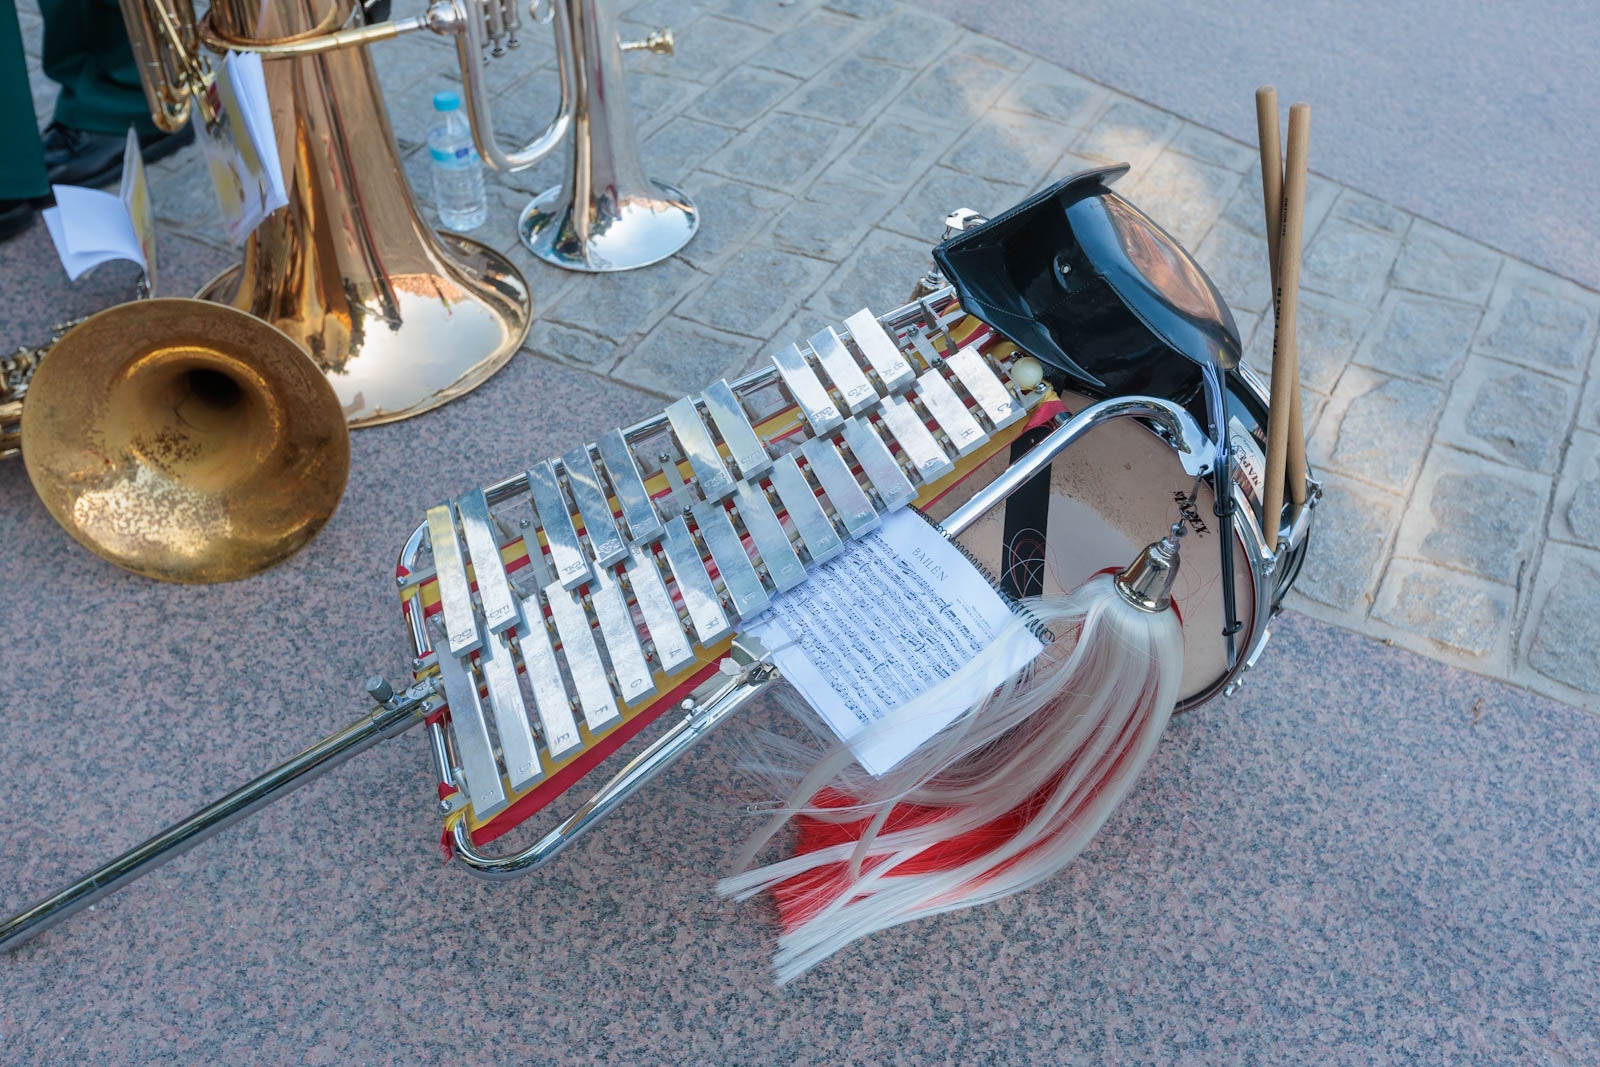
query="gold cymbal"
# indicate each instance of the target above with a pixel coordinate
(184, 440)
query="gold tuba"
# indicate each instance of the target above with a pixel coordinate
(401, 319)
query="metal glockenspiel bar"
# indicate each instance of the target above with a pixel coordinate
(694, 583)
(644, 525)
(846, 374)
(927, 456)
(744, 444)
(738, 574)
(821, 540)
(991, 395)
(850, 501)
(727, 550)
(751, 675)
(710, 473)
(874, 343)
(483, 548)
(672, 649)
(550, 699)
(480, 773)
(949, 412)
(807, 389)
(459, 622)
(599, 526)
(881, 353)
(878, 464)
(518, 748)
(771, 541)
(629, 668)
(583, 659)
(555, 518)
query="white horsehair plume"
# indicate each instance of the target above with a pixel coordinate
(1002, 798)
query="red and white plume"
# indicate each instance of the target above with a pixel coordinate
(996, 802)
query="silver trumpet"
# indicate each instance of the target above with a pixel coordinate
(606, 215)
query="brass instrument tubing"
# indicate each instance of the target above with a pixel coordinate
(497, 26)
(212, 38)
(469, 51)
(192, 68)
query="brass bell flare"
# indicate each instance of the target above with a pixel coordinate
(185, 441)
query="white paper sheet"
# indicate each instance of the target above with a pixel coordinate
(894, 614)
(250, 80)
(240, 147)
(90, 227)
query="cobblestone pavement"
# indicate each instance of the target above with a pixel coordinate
(1453, 414)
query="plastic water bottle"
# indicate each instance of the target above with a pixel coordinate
(457, 170)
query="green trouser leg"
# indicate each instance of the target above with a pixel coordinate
(22, 161)
(86, 52)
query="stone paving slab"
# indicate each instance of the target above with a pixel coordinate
(1451, 399)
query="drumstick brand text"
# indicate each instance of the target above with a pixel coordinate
(1191, 514)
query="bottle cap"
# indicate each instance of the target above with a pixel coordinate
(445, 100)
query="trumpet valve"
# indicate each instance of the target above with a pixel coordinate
(660, 43)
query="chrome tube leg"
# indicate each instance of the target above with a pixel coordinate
(391, 719)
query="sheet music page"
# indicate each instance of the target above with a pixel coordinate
(239, 146)
(250, 81)
(892, 615)
(90, 227)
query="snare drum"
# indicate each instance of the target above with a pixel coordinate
(1114, 492)
(1115, 307)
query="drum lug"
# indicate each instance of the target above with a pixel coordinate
(1255, 654)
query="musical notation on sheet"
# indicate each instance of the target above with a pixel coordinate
(893, 615)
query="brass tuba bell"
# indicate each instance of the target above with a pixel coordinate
(184, 440)
(399, 318)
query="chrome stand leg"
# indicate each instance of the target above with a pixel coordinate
(394, 716)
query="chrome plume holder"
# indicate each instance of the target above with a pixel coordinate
(606, 215)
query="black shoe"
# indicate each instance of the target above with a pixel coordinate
(15, 215)
(83, 157)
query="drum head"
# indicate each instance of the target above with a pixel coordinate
(1112, 493)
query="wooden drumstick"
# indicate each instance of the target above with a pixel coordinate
(1271, 173)
(1295, 172)
(1285, 369)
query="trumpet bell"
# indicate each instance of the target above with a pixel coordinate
(184, 440)
(605, 215)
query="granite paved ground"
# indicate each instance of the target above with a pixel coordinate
(1365, 855)
(1453, 413)
(1452, 407)
(1479, 116)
